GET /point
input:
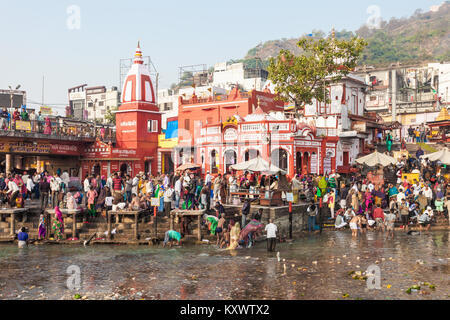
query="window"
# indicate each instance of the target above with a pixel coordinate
(152, 125)
(101, 103)
(90, 104)
(187, 124)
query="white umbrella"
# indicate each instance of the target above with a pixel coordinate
(442, 155)
(376, 158)
(257, 164)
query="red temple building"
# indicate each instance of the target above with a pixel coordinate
(138, 123)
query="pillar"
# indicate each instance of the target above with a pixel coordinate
(18, 162)
(38, 164)
(8, 163)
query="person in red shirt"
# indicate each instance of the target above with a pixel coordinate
(378, 215)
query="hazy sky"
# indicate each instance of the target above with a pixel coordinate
(41, 38)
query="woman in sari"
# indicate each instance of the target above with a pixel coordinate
(91, 196)
(48, 126)
(211, 222)
(41, 228)
(58, 225)
(234, 236)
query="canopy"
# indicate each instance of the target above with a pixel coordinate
(257, 164)
(376, 158)
(188, 166)
(442, 156)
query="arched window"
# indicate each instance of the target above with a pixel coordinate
(230, 159)
(251, 154)
(280, 158)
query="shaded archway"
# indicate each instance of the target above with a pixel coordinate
(251, 154)
(306, 163)
(213, 162)
(124, 169)
(279, 158)
(96, 169)
(230, 159)
(298, 163)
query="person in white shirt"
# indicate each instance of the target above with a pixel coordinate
(86, 188)
(134, 185)
(55, 187)
(428, 193)
(178, 192)
(208, 179)
(168, 200)
(30, 187)
(13, 192)
(271, 230)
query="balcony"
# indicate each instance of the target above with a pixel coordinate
(61, 129)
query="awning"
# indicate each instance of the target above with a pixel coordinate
(110, 159)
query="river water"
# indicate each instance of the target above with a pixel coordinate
(312, 267)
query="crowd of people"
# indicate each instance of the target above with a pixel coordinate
(45, 124)
(368, 198)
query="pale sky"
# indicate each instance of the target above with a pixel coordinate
(40, 38)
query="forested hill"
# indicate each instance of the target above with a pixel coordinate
(425, 36)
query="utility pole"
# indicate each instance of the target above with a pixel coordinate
(42, 91)
(415, 88)
(394, 95)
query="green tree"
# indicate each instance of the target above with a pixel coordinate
(110, 117)
(303, 78)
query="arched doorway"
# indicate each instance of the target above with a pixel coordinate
(279, 158)
(213, 162)
(148, 166)
(306, 163)
(298, 162)
(230, 159)
(96, 169)
(124, 169)
(251, 154)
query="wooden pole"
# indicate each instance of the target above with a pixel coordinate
(290, 220)
(13, 222)
(171, 221)
(199, 230)
(74, 225)
(108, 216)
(136, 225)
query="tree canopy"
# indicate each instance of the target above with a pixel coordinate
(304, 77)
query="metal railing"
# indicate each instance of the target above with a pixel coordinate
(63, 128)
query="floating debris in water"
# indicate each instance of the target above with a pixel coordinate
(278, 256)
(314, 262)
(419, 261)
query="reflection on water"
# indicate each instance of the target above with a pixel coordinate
(313, 267)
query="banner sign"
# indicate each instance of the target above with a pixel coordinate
(38, 148)
(23, 125)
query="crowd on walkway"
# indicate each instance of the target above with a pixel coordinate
(368, 198)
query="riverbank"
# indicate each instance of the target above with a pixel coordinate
(314, 267)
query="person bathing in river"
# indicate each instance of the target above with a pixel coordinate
(219, 230)
(41, 228)
(171, 236)
(355, 223)
(22, 237)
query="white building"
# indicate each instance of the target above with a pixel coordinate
(343, 119)
(228, 75)
(93, 103)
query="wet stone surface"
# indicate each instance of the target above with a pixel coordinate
(312, 267)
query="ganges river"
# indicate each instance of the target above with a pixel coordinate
(311, 267)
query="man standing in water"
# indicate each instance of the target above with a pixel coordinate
(271, 230)
(171, 236)
(23, 238)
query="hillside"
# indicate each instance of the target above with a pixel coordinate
(425, 36)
